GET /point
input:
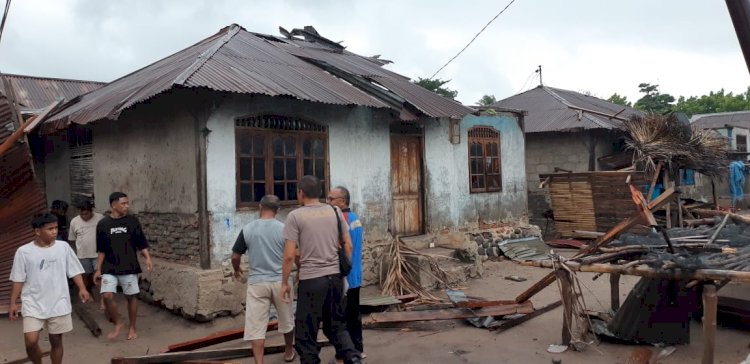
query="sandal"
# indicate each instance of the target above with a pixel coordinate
(291, 358)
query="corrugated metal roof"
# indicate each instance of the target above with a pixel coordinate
(34, 93)
(20, 199)
(739, 119)
(552, 109)
(235, 60)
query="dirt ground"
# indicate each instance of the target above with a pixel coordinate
(435, 342)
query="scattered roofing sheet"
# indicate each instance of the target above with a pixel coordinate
(235, 60)
(35, 93)
(532, 248)
(552, 109)
(739, 119)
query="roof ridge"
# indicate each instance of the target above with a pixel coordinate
(558, 97)
(696, 116)
(52, 78)
(206, 55)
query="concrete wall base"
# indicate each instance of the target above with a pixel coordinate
(191, 292)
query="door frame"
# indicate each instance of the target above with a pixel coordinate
(409, 129)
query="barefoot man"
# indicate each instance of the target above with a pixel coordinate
(40, 275)
(119, 237)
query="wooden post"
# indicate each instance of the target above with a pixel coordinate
(614, 283)
(567, 299)
(653, 182)
(709, 323)
(677, 185)
(669, 205)
(713, 194)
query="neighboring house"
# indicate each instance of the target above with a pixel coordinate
(197, 138)
(34, 94)
(22, 193)
(735, 127)
(567, 130)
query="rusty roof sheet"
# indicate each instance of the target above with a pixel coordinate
(34, 93)
(552, 109)
(737, 119)
(20, 199)
(235, 60)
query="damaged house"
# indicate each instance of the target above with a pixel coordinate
(567, 131)
(197, 138)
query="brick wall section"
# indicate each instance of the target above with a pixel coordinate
(172, 236)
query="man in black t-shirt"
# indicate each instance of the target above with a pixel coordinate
(119, 237)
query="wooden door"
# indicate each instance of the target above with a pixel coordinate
(406, 184)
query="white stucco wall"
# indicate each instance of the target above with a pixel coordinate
(359, 155)
(449, 201)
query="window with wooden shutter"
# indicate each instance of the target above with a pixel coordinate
(274, 152)
(81, 165)
(485, 169)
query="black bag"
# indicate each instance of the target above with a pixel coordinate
(345, 264)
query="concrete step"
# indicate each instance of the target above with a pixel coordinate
(419, 242)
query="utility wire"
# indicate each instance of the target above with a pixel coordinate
(472, 39)
(5, 16)
(523, 88)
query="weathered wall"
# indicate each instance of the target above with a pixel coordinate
(149, 153)
(57, 168)
(172, 236)
(449, 201)
(359, 155)
(199, 294)
(570, 151)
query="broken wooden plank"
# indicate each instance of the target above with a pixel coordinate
(89, 321)
(446, 314)
(213, 339)
(480, 304)
(216, 354)
(507, 324)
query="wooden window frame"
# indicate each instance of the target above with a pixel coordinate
(485, 136)
(272, 127)
(741, 147)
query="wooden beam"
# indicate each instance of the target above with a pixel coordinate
(507, 324)
(654, 179)
(645, 271)
(446, 314)
(89, 321)
(213, 339)
(709, 323)
(566, 291)
(614, 290)
(218, 354)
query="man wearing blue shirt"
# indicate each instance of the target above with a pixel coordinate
(340, 198)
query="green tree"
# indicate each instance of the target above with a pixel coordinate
(619, 100)
(487, 100)
(718, 101)
(653, 100)
(436, 85)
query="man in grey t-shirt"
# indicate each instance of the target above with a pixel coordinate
(263, 241)
(313, 229)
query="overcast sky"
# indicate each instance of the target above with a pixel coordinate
(687, 46)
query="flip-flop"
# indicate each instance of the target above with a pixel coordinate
(291, 359)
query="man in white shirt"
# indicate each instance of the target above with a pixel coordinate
(82, 235)
(40, 275)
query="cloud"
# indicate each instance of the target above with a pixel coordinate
(687, 46)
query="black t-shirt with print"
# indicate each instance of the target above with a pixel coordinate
(120, 240)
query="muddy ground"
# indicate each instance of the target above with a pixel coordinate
(436, 342)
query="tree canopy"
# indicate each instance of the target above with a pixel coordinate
(653, 100)
(487, 100)
(437, 85)
(619, 100)
(718, 101)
